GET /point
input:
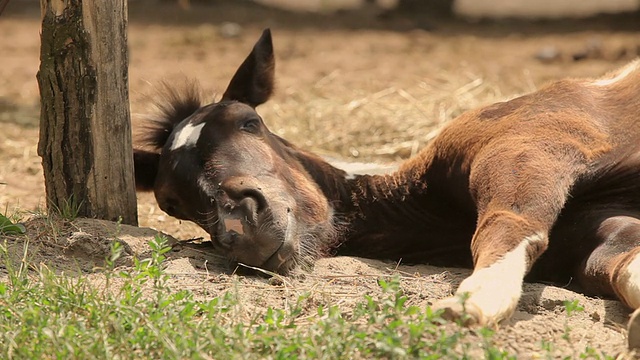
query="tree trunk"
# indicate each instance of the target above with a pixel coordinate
(3, 4)
(85, 128)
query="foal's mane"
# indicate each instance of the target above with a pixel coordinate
(172, 104)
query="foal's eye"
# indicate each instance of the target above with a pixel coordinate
(251, 125)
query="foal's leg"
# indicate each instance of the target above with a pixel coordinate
(504, 248)
(518, 200)
(613, 268)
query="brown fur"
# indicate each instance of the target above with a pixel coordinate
(560, 166)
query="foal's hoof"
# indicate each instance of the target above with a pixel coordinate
(467, 313)
(633, 331)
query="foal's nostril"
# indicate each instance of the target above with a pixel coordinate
(241, 194)
(227, 207)
(257, 196)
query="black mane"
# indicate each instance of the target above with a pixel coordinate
(172, 105)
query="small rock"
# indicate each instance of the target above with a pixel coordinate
(84, 244)
(529, 303)
(551, 305)
(276, 281)
(230, 30)
(548, 54)
(580, 55)
(592, 50)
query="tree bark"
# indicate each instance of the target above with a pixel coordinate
(85, 127)
(3, 4)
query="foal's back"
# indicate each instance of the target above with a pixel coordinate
(607, 191)
(618, 98)
(555, 180)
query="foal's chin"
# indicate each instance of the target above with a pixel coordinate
(282, 261)
(300, 244)
(276, 240)
(267, 246)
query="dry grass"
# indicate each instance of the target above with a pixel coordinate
(387, 125)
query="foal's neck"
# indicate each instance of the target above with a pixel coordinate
(415, 213)
(352, 196)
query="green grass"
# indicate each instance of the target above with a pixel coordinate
(9, 225)
(136, 315)
(68, 209)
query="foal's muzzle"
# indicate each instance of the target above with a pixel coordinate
(240, 202)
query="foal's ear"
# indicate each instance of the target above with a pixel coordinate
(145, 166)
(252, 83)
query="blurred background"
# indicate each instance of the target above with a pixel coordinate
(357, 80)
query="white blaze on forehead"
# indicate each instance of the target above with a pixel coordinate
(187, 136)
(620, 75)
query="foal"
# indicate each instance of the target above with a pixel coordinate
(547, 184)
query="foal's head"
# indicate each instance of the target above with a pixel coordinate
(219, 166)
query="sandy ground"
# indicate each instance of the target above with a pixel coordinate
(356, 86)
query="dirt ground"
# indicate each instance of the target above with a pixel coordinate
(357, 86)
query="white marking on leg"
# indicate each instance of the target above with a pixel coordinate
(495, 290)
(187, 136)
(629, 283)
(621, 75)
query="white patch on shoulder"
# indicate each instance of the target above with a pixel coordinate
(495, 290)
(623, 73)
(187, 136)
(629, 283)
